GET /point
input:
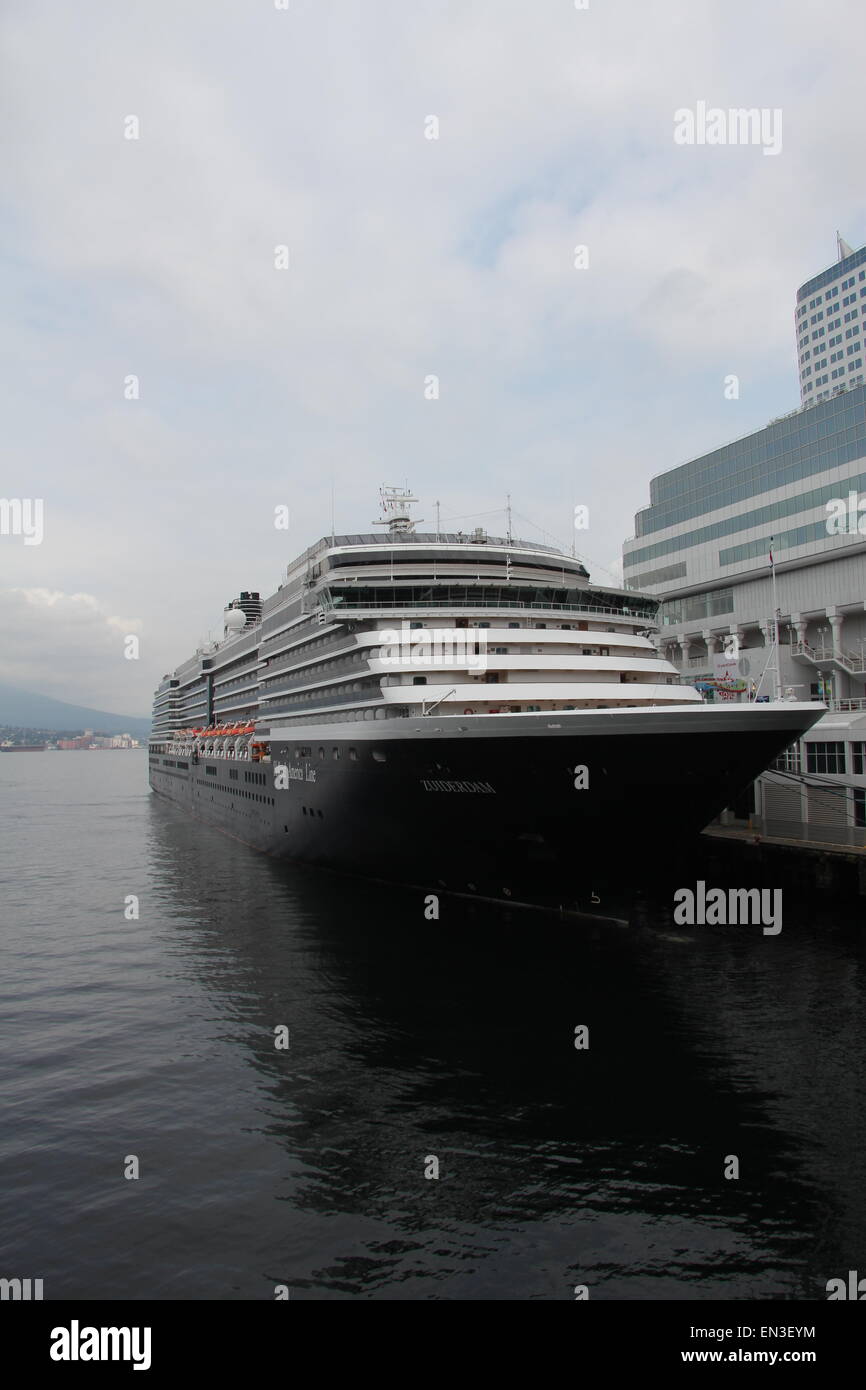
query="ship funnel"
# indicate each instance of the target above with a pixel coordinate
(242, 612)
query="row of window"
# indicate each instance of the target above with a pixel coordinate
(495, 595)
(831, 274)
(831, 757)
(369, 688)
(313, 644)
(834, 357)
(759, 516)
(809, 442)
(755, 550)
(317, 675)
(659, 576)
(345, 714)
(343, 657)
(826, 395)
(333, 667)
(306, 751)
(359, 657)
(852, 366)
(711, 604)
(816, 318)
(222, 687)
(235, 791)
(830, 294)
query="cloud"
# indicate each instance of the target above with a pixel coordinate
(408, 256)
(54, 642)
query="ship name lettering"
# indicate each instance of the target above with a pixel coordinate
(439, 786)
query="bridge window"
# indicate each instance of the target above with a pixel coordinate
(825, 757)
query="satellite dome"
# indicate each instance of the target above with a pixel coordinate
(236, 619)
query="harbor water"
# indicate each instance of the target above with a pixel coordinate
(326, 1088)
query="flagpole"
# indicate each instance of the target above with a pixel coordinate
(778, 682)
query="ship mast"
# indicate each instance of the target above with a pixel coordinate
(395, 503)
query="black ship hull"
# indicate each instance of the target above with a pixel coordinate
(563, 808)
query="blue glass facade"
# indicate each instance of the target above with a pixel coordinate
(715, 603)
(759, 516)
(753, 550)
(833, 273)
(824, 436)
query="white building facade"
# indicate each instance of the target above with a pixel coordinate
(828, 322)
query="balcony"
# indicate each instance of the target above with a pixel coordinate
(423, 605)
(851, 664)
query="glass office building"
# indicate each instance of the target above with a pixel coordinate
(796, 489)
(828, 323)
(704, 543)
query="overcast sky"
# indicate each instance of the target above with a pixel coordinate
(409, 257)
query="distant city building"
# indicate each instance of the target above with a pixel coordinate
(828, 324)
(91, 740)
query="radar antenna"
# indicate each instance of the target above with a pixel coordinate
(395, 503)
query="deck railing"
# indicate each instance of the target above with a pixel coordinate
(569, 608)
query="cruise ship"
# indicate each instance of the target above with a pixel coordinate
(463, 712)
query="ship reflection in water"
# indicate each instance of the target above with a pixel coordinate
(454, 1038)
(410, 1039)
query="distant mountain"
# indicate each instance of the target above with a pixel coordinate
(30, 711)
